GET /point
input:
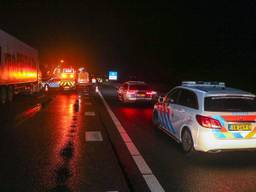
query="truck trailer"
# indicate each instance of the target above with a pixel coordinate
(19, 68)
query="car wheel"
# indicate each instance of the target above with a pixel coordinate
(187, 141)
(3, 95)
(123, 99)
(119, 97)
(10, 94)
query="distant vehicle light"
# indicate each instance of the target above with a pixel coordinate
(63, 75)
(150, 92)
(93, 80)
(131, 92)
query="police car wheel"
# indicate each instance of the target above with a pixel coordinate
(187, 141)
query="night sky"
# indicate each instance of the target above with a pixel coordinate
(165, 41)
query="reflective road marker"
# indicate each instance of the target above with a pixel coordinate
(151, 180)
(93, 136)
(89, 113)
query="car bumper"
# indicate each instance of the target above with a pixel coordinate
(207, 142)
(136, 99)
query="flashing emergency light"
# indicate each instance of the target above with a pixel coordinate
(93, 80)
(63, 75)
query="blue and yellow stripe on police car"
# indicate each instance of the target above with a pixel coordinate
(164, 116)
(223, 133)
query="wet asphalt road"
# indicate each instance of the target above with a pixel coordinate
(230, 171)
(43, 147)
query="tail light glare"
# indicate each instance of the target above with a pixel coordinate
(130, 92)
(150, 92)
(208, 122)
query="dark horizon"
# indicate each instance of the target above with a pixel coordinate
(165, 41)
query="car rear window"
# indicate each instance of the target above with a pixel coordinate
(230, 104)
(139, 87)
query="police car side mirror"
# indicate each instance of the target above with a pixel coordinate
(160, 99)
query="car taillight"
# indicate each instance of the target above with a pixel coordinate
(150, 92)
(130, 92)
(208, 122)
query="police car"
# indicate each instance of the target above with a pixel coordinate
(135, 91)
(50, 83)
(208, 117)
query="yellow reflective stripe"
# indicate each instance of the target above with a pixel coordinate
(250, 135)
(229, 135)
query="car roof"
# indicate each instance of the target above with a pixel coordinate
(135, 82)
(217, 90)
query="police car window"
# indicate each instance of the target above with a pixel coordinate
(230, 104)
(188, 99)
(173, 96)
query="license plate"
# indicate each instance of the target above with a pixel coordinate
(141, 95)
(239, 127)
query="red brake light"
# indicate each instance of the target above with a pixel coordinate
(150, 92)
(208, 122)
(131, 92)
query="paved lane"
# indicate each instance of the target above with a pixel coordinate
(233, 171)
(51, 145)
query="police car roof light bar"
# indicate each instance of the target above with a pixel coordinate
(203, 83)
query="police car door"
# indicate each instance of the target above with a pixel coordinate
(170, 118)
(186, 107)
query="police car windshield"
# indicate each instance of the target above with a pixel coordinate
(230, 104)
(139, 87)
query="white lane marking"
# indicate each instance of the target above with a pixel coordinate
(150, 179)
(93, 136)
(89, 113)
(142, 165)
(153, 183)
(132, 148)
(111, 191)
(126, 137)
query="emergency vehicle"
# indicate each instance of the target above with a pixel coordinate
(208, 117)
(62, 78)
(83, 78)
(68, 79)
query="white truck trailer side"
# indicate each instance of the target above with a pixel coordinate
(19, 68)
